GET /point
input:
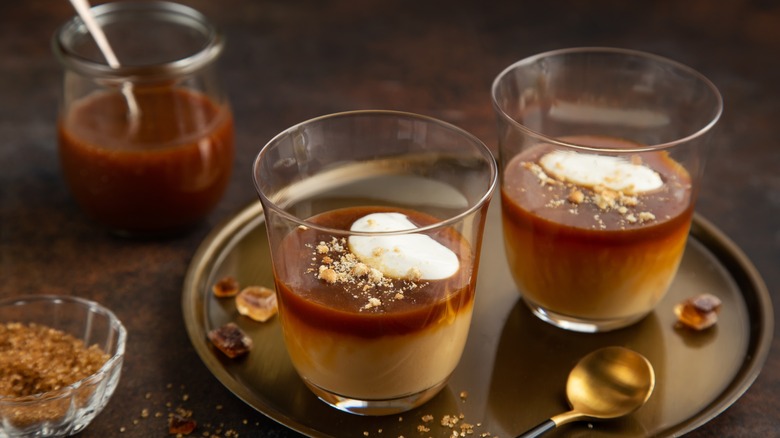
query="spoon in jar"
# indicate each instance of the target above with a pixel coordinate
(83, 9)
(608, 383)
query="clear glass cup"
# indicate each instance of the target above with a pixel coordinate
(375, 222)
(146, 148)
(601, 156)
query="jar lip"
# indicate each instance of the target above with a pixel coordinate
(213, 37)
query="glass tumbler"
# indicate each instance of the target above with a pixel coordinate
(146, 147)
(375, 222)
(601, 155)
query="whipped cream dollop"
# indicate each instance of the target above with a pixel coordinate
(412, 256)
(591, 170)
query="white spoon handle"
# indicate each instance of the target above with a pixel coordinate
(83, 9)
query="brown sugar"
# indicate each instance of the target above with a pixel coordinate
(35, 359)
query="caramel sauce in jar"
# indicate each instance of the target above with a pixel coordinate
(145, 142)
(162, 175)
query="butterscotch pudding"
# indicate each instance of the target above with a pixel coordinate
(374, 317)
(375, 222)
(593, 237)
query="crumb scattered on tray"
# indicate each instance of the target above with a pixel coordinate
(454, 423)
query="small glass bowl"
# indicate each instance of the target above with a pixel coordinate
(70, 409)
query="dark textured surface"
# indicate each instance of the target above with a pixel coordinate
(288, 61)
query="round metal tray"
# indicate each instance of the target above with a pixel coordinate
(513, 371)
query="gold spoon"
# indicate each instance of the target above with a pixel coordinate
(608, 383)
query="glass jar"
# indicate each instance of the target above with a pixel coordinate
(146, 147)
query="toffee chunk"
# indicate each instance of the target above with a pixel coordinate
(225, 287)
(257, 302)
(231, 340)
(699, 312)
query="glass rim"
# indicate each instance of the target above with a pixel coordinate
(479, 146)
(104, 370)
(612, 51)
(209, 52)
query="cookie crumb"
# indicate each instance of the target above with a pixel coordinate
(449, 421)
(328, 274)
(576, 196)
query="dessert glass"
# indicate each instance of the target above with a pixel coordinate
(601, 154)
(365, 340)
(146, 148)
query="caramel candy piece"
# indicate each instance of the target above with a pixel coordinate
(699, 312)
(257, 302)
(226, 287)
(231, 340)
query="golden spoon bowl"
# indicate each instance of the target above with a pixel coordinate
(607, 383)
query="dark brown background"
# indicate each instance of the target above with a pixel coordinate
(287, 61)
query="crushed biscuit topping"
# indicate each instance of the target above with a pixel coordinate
(334, 263)
(576, 196)
(603, 198)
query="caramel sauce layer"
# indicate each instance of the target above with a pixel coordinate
(165, 173)
(363, 308)
(591, 253)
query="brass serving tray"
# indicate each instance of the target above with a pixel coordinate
(513, 371)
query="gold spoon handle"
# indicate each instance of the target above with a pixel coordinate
(552, 423)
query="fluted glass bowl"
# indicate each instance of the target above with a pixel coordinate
(69, 409)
